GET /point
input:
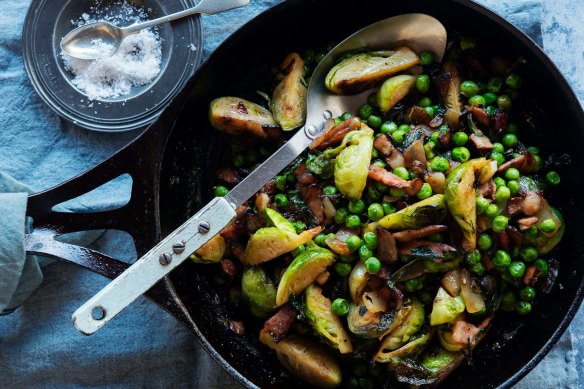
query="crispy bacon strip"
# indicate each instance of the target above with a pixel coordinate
(467, 333)
(380, 174)
(392, 155)
(410, 235)
(335, 134)
(480, 116)
(278, 325)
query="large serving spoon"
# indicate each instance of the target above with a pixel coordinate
(102, 39)
(418, 31)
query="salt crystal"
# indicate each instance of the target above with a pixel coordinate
(193, 47)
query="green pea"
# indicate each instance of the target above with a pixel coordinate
(500, 223)
(365, 111)
(425, 102)
(469, 88)
(512, 128)
(499, 182)
(380, 163)
(500, 158)
(341, 215)
(343, 269)
(533, 150)
(527, 293)
(290, 178)
(434, 136)
(494, 85)
(337, 121)
(529, 254)
(502, 195)
(372, 265)
(498, 147)
(482, 205)
(298, 250)
(281, 200)
(523, 307)
(510, 141)
(280, 182)
(426, 58)
(513, 186)
(373, 193)
(396, 192)
(459, 138)
(238, 160)
(492, 211)
(320, 240)
(431, 112)
(538, 163)
(517, 269)
(542, 266)
(531, 232)
(491, 110)
(374, 152)
(477, 101)
(423, 83)
(388, 127)
(552, 178)
(375, 212)
(404, 127)
(478, 269)
(345, 116)
(365, 253)
(425, 297)
(356, 206)
(504, 102)
(299, 226)
(220, 191)
(490, 98)
(398, 136)
(370, 240)
(429, 150)
(401, 172)
(548, 225)
(513, 81)
(414, 284)
(340, 307)
(485, 241)
(501, 259)
(425, 191)
(374, 121)
(440, 164)
(388, 208)
(353, 243)
(512, 174)
(460, 154)
(353, 221)
(330, 190)
(473, 257)
(381, 187)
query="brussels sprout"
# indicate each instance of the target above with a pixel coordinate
(306, 360)
(289, 99)
(302, 272)
(362, 71)
(321, 317)
(445, 308)
(374, 325)
(445, 337)
(259, 291)
(423, 213)
(431, 266)
(415, 346)
(545, 242)
(352, 163)
(449, 88)
(358, 281)
(210, 252)
(460, 196)
(270, 242)
(434, 366)
(393, 90)
(237, 116)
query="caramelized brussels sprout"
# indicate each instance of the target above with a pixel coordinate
(393, 90)
(362, 71)
(367, 324)
(237, 116)
(445, 308)
(546, 241)
(358, 281)
(448, 83)
(302, 272)
(288, 103)
(415, 346)
(210, 252)
(306, 360)
(421, 214)
(321, 317)
(352, 163)
(445, 337)
(259, 291)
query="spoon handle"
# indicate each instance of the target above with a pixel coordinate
(208, 7)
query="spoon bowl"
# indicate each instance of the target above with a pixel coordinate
(93, 41)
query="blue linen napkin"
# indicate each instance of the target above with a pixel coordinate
(39, 346)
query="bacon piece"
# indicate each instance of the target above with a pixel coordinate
(237, 327)
(228, 175)
(502, 240)
(531, 275)
(312, 195)
(278, 325)
(303, 176)
(529, 205)
(480, 116)
(436, 122)
(415, 153)
(525, 163)
(239, 253)
(527, 222)
(481, 142)
(417, 115)
(410, 235)
(392, 155)
(270, 188)
(501, 120)
(514, 163)
(380, 174)
(335, 134)
(467, 333)
(514, 235)
(229, 268)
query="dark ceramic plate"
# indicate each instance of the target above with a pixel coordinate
(48, 21)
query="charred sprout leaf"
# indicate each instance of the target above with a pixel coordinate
(421, 214)
(445, 308)
(319, 314)
(320, 165)
(302, 272)
(434, 366)
(352, 163)
(366, 324)
(210, 252)
(305, 359)
(259, 291)
(393, 90)
(448, 83)
(412, 348)
(289, 100)
(362, 71)
(237, 116)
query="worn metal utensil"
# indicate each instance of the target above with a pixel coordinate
(418, 31)
(102, 39)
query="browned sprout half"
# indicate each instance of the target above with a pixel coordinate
(289, 99)
(362, 71)
(236, 116)
(448, 83)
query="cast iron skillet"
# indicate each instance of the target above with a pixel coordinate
(173, 161)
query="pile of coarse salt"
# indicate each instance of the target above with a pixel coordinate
(136, 63)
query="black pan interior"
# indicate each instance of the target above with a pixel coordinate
(194, 151)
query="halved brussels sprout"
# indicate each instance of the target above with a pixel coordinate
(352, 163)
(445, 308)
(449, 88)
(445, 337)
(259, 291)
(393, 90)
(423, 213)
(302, 272)
(238, 116)
(306, 360)
(321, 317)
(360, 72)
(289, 99)
(545, 242)
(374, 325)
(415, 346)
(435, 365)
(358, 281)
(210, 252)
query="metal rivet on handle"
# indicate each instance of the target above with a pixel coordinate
(98, 313)
(165, 259)
(327, 114)
(311, 131)
(204, 227)
(178, 247)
